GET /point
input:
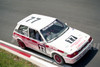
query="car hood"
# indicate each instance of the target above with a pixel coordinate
(71, 41)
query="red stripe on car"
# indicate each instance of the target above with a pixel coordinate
(60, 51)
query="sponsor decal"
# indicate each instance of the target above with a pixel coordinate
(76, 42)
(80, 44)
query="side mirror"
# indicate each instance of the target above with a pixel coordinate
(65, 23)
(16, 30)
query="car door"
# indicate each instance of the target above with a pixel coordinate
(36, 41)
(23, 34)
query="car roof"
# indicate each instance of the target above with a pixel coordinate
(36, 21)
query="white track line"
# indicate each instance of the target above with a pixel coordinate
(33, 59)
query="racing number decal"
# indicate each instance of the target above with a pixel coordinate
(34, 19)
(71, 39)
(42, 48)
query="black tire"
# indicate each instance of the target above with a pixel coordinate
(21, 44)
(58, 59)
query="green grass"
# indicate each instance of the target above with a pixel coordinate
(9, 60)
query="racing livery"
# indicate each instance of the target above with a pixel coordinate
(51, 37)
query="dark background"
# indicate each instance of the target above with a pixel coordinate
(80, 14)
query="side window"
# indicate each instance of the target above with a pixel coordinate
(23, 30)
(35, 35)
(31, 33)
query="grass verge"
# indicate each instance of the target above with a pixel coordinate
(9, 60)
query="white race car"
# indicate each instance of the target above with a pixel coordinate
(51, 37)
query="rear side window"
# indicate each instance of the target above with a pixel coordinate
(23, 30)
(35, 35)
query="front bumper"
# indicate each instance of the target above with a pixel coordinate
(79, 56)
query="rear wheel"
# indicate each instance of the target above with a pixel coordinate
(58, 59)
(21, 44)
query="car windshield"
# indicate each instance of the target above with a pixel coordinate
(54, 30)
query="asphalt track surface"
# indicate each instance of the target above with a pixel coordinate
(80, 14)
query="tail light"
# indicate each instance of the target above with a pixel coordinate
(90, 39)
(72, 55)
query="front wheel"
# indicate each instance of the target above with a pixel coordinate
(21, 44)
(58, 59)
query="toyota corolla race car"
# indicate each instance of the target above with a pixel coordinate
(51, 37)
